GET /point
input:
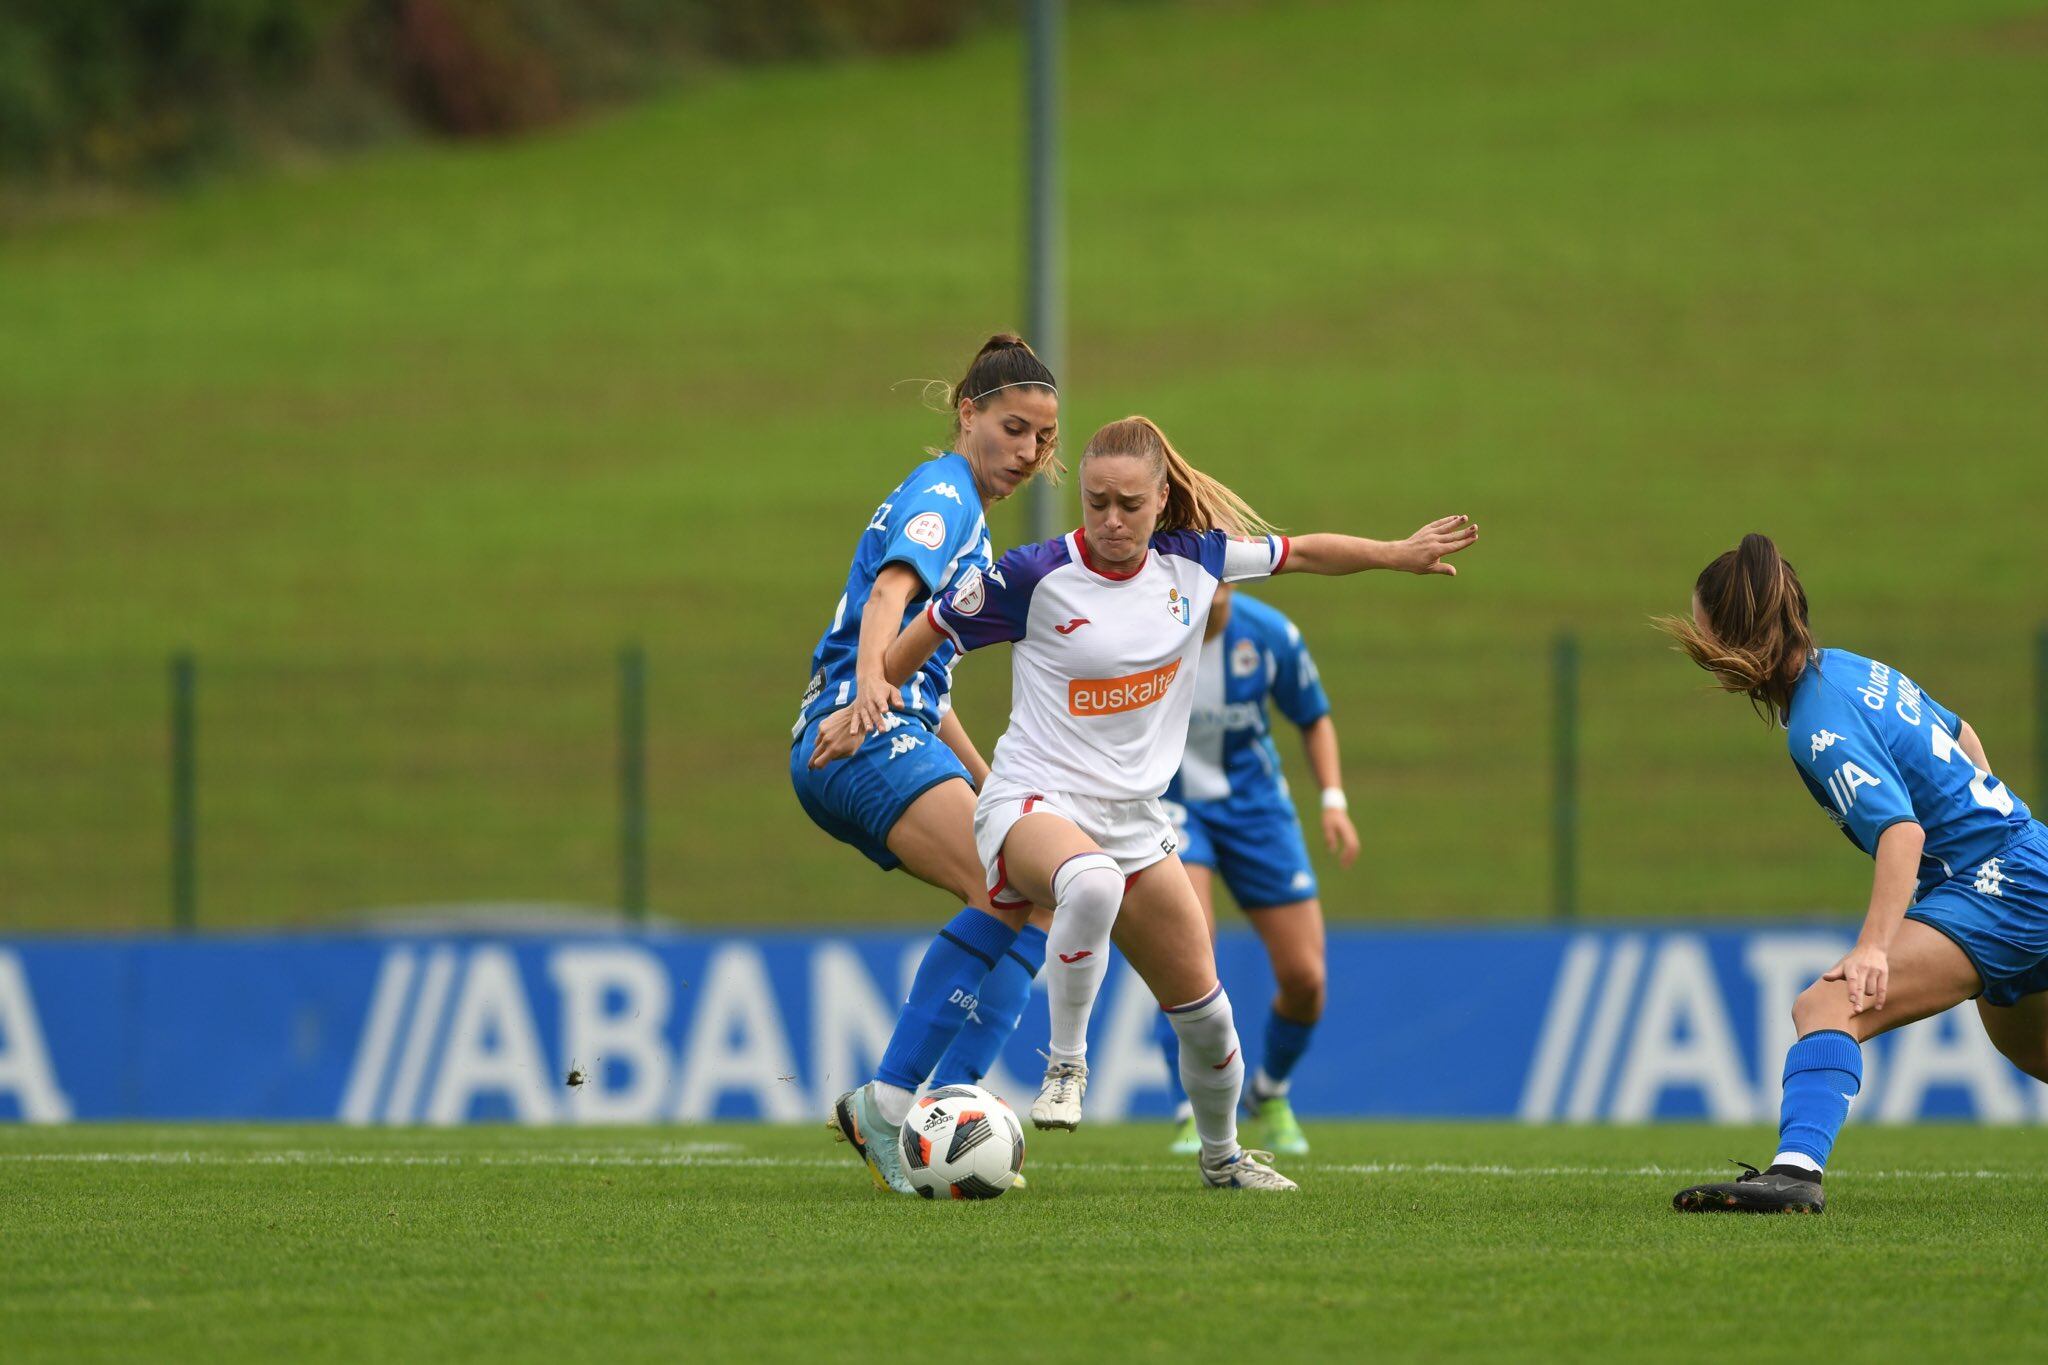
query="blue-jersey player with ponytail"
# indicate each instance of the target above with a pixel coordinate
(905, 798)
(1959, 901)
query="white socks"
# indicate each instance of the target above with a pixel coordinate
(1211, 1070)
(1088, 890)
(1799, 1159)
(894, 1102)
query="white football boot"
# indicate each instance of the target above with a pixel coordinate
(1059, 1100)
(1245, 1171)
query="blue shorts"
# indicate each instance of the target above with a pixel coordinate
(859, 799)
(1256, 847)
(1997, 913)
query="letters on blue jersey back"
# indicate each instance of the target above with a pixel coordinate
(1875, 750)
(1230, 751)
(933, 523)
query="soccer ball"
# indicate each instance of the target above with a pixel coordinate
(960, 1142)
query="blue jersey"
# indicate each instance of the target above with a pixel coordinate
(933, 522)
(1875, 750)
(1258, 654)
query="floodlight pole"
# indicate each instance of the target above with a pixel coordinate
(1044, 286)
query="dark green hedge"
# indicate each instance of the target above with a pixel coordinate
(131, 89)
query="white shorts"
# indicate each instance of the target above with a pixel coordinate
(1135, 833)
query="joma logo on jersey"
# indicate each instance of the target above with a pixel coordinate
(1844, 781)
(1109, 696)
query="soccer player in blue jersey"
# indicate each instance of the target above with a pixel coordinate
(1959, 903)
(905, 798)
(1235, 816)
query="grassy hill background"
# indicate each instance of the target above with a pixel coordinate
(404, 449)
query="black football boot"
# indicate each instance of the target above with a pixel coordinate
(1781, 1189)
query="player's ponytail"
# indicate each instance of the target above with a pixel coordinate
(1194, 501)
(1758, 638)
(1003, 364)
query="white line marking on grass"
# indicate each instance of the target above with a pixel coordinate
(721, 1155)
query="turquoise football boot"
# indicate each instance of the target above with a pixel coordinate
(857, 1119)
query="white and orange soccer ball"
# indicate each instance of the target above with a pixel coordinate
(960, 1142)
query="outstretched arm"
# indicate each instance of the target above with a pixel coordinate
(1422, 553)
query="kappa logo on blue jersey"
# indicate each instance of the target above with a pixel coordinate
(903, 744)
(1823, 741)
(1178, 607)
(945, 490)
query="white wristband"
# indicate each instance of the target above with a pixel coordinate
(1333, 799)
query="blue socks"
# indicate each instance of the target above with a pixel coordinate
(1286, 1040)
(1004, 993)
(1822, 1072)
(943, 994)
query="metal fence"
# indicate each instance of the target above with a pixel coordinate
(1585, 775)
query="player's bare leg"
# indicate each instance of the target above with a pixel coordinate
(1293, 936)
(1186, 1141)
(2020, 1031)
(1929, 974)
(1164, 933)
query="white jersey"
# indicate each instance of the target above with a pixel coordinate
(1102, 676)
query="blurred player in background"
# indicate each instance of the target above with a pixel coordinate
(1230, 805)
(906, 796)
(1105, 621)
(1959, 901)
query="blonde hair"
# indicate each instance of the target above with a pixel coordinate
(1194, 501)
(1760, 638)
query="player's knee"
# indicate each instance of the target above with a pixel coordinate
(1823, 1005)
(1302, 986)
(1090, 883)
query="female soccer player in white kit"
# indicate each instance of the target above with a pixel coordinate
(1107, 624)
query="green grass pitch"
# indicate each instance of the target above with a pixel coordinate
(1473, 1241)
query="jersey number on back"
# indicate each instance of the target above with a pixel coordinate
(1988, 790)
